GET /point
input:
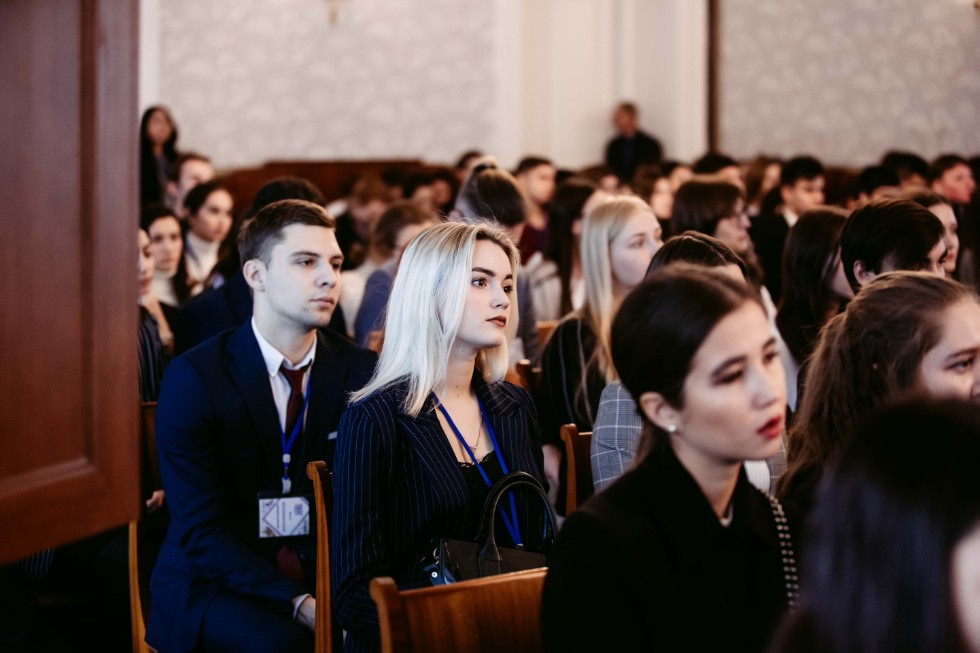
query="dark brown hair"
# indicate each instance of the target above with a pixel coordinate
(260, 233)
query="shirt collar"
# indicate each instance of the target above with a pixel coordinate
(274, 358)
(790, 217)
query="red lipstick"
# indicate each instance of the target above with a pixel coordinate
(771, 429)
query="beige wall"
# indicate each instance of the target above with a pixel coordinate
(847, 80)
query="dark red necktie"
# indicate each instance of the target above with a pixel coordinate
(295, 403)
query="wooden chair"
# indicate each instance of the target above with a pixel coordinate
(140, 559)
(496, 613)
(545, 327)
(578, 460)
(323, 637)
(530, 376)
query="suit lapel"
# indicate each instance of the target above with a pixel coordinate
(248, 374)
(503, 416)
(432, 448)
(328, 382)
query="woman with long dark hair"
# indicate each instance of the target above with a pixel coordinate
(209, 221)
(893, 557)
(682, 553)
(158, 151)
(815, 288)
(904, 333)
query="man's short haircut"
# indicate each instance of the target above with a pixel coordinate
(872, 178)
(712, 162)
(800, 167)
(262, 232)
(905, 164)
(530, 163)
(899, 231)
(627, 107)
(173, 172)
(943, 164)
(286, 188)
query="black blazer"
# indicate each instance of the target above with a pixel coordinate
(768, 233)
(219, 446)
(398, 488)
(646, 149)
(646, 565)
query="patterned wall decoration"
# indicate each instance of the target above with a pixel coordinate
(256, 80)
(847, 80)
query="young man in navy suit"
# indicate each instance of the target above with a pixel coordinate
(238, 419)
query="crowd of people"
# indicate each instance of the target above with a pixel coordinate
(779, 390)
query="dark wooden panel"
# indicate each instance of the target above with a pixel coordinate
(68, 394)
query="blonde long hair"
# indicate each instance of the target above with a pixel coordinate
(426, 307)
(599, 228)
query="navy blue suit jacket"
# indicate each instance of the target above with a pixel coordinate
(398, 486)
(218, 438)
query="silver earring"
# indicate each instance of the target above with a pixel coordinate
(671, 428)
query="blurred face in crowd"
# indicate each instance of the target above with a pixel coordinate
(956, 184)
(538, 183)
(407, 234)
(166, 244)
(951, 369)
(734, 396)
(212, 221)
(624, 121)
(631, 251)
(803, 195)
(733, 175)
(679, 175)
(662, 198)
(145, 262)
(158, 128)
(192, 173)
(770, 178)
(945, 214)
(733, 229)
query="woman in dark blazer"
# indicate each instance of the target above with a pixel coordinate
(682, 553)
(405, 466)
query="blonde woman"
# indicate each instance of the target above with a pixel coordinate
(619, 238)
(422, 442)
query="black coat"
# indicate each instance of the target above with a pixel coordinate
(646, 565)
(624, 154)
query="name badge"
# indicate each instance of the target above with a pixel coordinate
(284, 517)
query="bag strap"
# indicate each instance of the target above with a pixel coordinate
(786, 551)
(487, 537)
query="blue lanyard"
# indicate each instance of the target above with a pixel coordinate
(511, 525)
(287, 446)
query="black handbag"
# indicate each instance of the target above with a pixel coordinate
(458, 560)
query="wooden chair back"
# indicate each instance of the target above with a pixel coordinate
(530, 376)
(496, 613)
(322, 496)
(140, 562)
(578, 457)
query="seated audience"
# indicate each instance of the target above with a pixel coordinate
(230, 306)
(720, 165)
(618, 424)
(904, 333)
(368, 199)
(801, 187)
(892, 554)
(890, 234)
(493, 193)
(943, 210)
(187, 171)
(153, 352)
(464, 164)
(421, 443)
(555, 278)
(395, 229)
(677, 172)
(238, 419)
(536, 177)
(652, 185)
(158, 151)
(872, 183)
(209, 218)
(815, 289)
(631, 147)
(619, 238)
(682, 553)
(912, 170)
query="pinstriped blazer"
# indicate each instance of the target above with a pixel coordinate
(398, 487)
